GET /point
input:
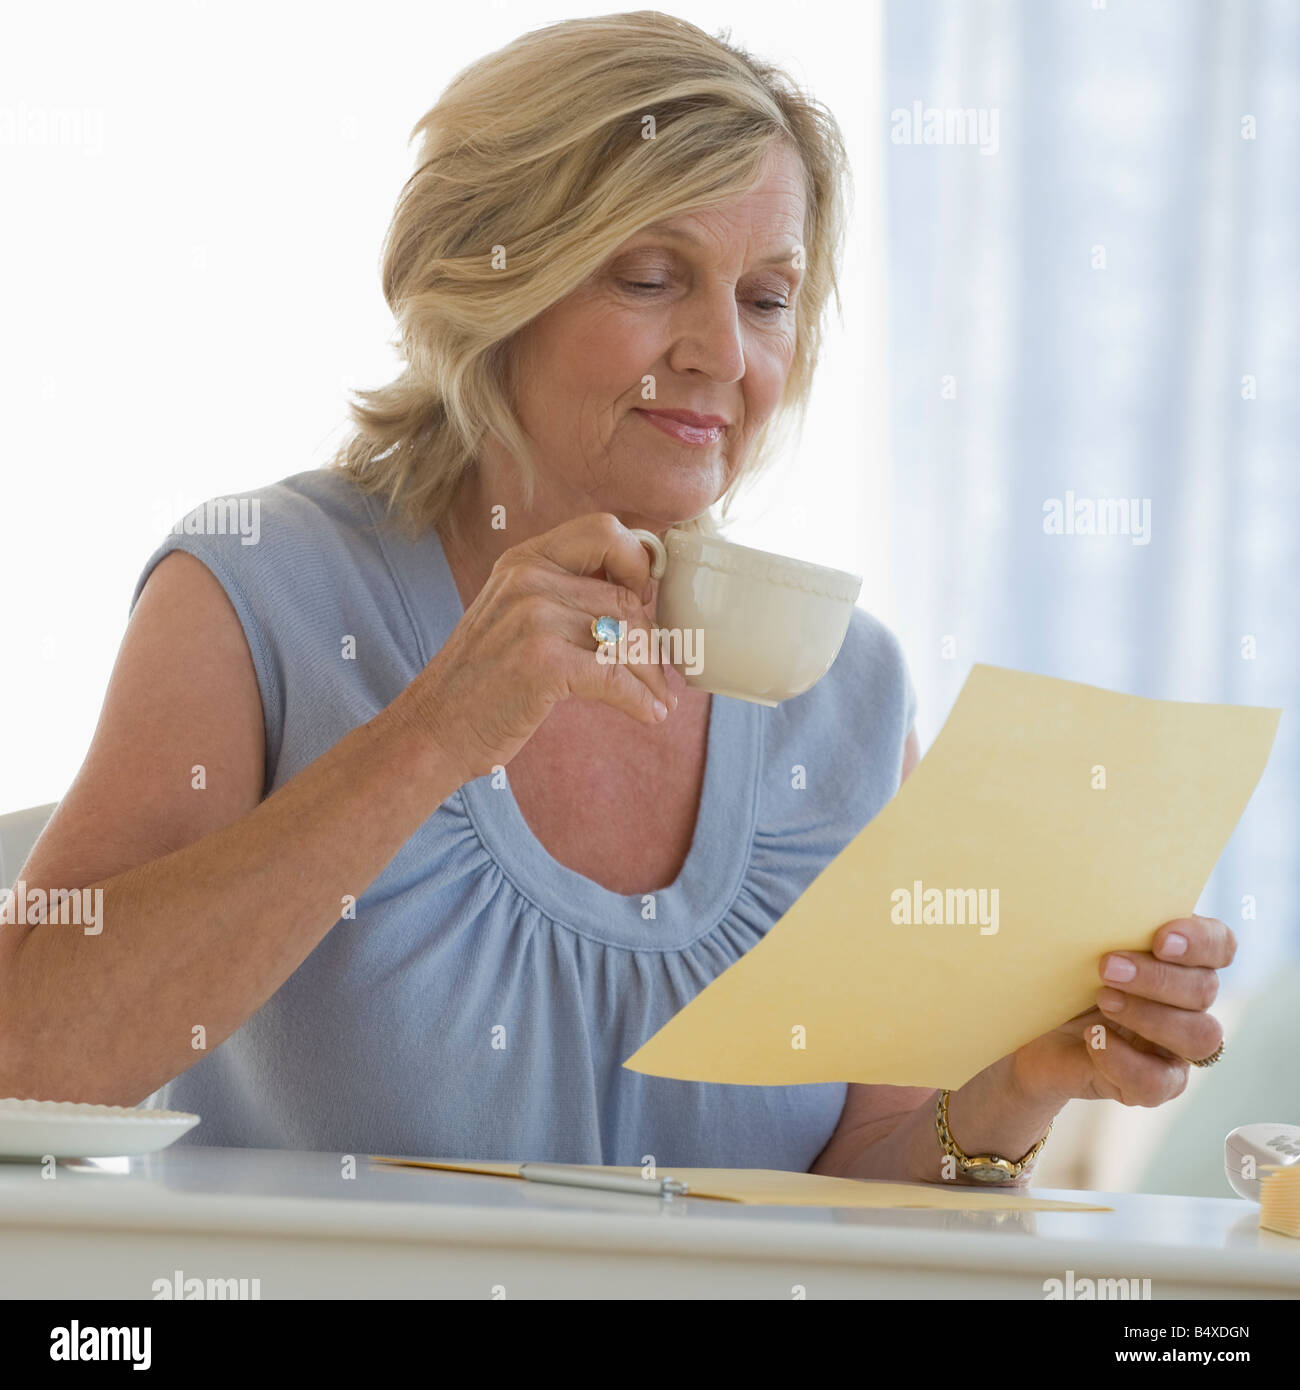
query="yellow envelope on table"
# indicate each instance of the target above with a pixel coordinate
(1049, 823)
(772, 1187)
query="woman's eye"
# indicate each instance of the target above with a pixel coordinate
(765, 306)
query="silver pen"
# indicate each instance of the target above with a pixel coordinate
(566, 1176)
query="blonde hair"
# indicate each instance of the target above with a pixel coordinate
(540, 151)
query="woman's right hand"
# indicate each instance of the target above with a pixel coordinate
(525, 643)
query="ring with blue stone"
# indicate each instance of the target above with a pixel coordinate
(605, 631)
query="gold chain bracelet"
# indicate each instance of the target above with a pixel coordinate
(989, 1168)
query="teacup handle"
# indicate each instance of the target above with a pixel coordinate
(658, 555)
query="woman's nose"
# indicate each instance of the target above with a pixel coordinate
(707, 336)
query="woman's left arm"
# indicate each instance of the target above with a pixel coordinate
(1151, 1017)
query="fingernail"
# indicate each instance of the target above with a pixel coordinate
(1175, 944)
(672, 701)
(661, 710)
(1110, 1001)
(1119, 969)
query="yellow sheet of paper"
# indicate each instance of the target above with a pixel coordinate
(1007, 799)
(770, 1187)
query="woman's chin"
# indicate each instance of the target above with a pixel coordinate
(666, 506)
(659, 514)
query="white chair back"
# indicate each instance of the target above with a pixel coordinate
(19, 831)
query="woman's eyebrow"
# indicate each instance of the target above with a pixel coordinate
(664, 229)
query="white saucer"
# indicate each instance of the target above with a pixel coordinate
(33, 1129)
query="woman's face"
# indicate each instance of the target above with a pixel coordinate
(702, 303)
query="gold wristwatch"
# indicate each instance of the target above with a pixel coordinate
(988, 1168)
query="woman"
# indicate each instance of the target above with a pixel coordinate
(331, 922)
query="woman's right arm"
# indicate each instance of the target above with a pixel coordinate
(213, 897)
(210, 899)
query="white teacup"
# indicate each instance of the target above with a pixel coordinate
(752, 625)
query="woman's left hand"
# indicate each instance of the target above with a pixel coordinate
(1150, 1022)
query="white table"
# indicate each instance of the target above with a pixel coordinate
(293, 1222)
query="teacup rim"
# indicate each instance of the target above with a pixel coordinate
(809, 567)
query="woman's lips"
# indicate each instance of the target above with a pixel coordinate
(681, 431)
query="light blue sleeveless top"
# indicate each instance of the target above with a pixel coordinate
(483, 1000)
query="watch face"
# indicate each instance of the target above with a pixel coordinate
(987, 1175)
(993, 1171)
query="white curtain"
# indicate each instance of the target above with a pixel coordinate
(1094, 278)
